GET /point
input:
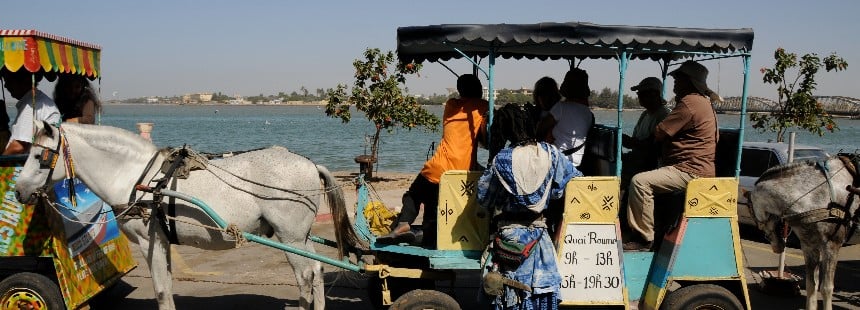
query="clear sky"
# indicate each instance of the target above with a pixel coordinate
(165, 48)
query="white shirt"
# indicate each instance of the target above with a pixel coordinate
(573, 120)
(46, 110)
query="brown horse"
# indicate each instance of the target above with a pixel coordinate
(817, 200)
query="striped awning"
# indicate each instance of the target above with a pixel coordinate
(35, 50)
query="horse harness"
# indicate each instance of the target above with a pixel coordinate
(176, 166)
(834, 212)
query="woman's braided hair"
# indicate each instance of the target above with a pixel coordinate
(512, 123)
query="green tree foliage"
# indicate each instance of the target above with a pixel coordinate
(796, 107)
(608, 99)
(376, 92)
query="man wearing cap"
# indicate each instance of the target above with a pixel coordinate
(689, 139)
(644, 152)
(21, 86)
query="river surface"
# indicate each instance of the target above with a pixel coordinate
(308, 131)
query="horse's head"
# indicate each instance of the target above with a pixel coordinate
(770, 224)
(45, 163)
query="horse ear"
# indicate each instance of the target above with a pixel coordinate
(746, 194)
(45, 128)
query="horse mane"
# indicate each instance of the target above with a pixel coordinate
(111, 139)
(776, 171)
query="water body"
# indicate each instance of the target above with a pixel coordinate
(308, 131)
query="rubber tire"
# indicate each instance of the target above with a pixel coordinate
(34, 286)
(425, 299)
(701, 296)
(397, 286)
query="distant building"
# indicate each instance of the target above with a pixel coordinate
(197, 98)
(523, 91)
(487, 92)
(151, 99)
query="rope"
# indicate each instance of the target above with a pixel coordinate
(56, 206)
(295, 192)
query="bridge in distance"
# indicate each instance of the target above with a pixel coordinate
(835, 105)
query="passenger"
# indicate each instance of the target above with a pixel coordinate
(462, 126)
(4, 124)
(689, 136)
(20, 86)
(545, 97)
(515, 189)
(570, 120)
(644, 152)
(75, 98)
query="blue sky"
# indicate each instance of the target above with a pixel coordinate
(165, 48)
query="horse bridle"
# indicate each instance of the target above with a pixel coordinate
(48, 160)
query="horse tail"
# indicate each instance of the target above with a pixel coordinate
(343, 231)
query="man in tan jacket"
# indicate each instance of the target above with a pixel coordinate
(689, 137)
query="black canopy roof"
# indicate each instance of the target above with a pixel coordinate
(565, 40)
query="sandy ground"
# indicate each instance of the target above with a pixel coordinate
(257, 277)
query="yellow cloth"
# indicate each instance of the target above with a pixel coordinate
(379, 218)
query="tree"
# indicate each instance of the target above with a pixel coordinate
(376, 92)
(796, 107)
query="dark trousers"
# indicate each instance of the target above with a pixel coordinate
(422, 191)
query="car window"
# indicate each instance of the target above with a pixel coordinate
(754, 162)
(809, 154)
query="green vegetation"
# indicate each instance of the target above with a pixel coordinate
(796, 107)
(376, 92)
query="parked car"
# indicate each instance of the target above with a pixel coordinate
(756, 158)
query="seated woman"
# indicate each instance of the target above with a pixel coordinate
(515, 189)
(75, 98)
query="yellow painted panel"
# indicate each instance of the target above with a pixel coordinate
(712, 197)
(13, 51)
(591, 200)
(462, 224)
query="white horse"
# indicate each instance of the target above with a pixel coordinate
(267, 192)
(814, 199)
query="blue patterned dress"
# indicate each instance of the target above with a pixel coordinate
(521, 180)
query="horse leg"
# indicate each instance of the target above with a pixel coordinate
(812, 259)
(153, 245)
(309, 277)
(828, 266)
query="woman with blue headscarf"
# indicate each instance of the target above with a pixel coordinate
(517, 187)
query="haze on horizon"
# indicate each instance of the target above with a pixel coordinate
(168, 48)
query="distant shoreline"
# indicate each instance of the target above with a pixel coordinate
(217, 104)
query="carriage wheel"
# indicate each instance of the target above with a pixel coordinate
(27, 290)
(397, 287)
(425, 299)
(702, 297)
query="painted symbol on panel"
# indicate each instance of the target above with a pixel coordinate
(446, 212)
(574, 200)
(585, 216)
(714, 211)
(694, 202)
(467, 188)
(463, 239)
(608, 203)
(592, 187)
(713, 188)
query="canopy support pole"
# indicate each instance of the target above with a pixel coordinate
(623, 60)
(743, 116)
